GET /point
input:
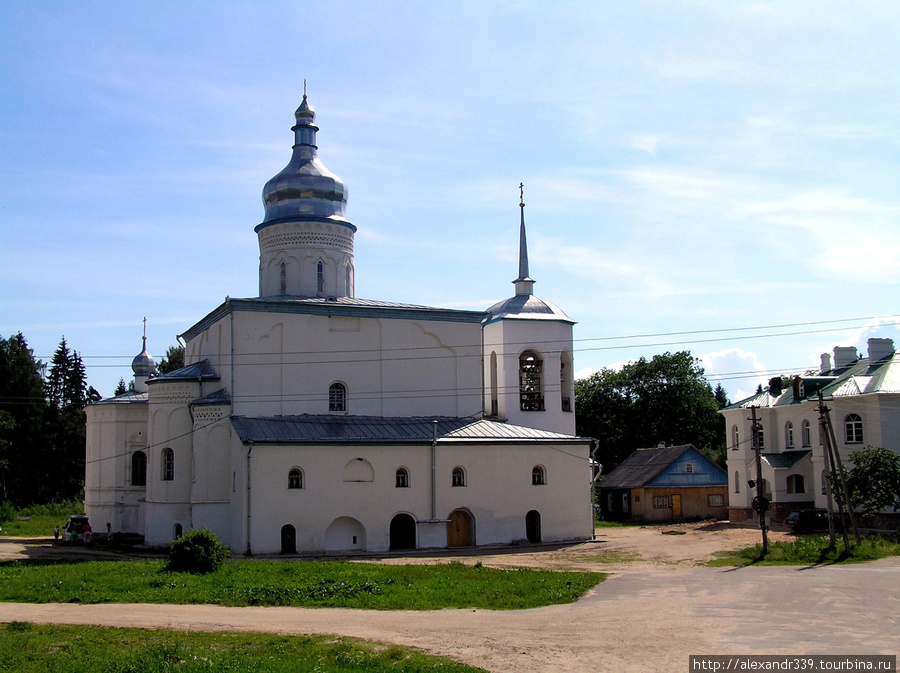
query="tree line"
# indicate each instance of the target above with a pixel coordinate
(42, 423)
(664, 400)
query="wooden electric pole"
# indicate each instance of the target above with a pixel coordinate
(760, 503)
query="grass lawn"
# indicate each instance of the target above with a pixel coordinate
(812, 550)
(31, 648)
(296, 583)
(37, 521)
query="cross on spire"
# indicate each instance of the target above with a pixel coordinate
(523, 283)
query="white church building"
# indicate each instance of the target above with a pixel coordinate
(308, 420)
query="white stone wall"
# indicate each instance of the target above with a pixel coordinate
(550, 340)
(114, 432)
(329, 511)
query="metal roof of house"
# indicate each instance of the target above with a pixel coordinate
(220, 396)
(199, 370)
(130, 397)
(786, 459)
(318, 428)
(861, 377)
(642, 466)
(333, 306)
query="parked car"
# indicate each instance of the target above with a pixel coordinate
(807, 520)
(75, 528)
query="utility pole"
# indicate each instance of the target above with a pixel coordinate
(829, 467)
(760, 503)
(838, 466)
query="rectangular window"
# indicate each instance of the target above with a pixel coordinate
(689, 468)
(660, 502)
(716, 500)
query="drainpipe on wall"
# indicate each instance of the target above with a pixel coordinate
(483, 372)
(249, 500)
(231, 320)
(434, 471)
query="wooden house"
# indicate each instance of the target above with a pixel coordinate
(665, 484)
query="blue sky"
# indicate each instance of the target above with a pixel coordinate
(691, 170)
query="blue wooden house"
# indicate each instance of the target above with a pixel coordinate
(664, 484)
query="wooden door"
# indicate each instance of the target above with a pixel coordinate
(459, 530)
(676, 506)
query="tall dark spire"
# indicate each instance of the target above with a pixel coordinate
(524, 284)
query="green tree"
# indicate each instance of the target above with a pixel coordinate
(666, 399)
(172, 360)
(874, 480)
(23, 407)
(721, 396)
(67, 394)
(121, 388)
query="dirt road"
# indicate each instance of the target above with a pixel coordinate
(658, 607)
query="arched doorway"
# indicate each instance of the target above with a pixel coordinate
(460, 529)
(288, 539)
(403, 532)
(533, 526)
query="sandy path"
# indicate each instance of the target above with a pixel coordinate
(648, 617)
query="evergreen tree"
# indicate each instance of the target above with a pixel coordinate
(23, 407)
(172, 360)
(67, 394)
(121, 389)
(721, 396)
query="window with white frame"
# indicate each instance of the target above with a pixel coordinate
(853, 429)
(689, 468)
(715, 500)
(805, 433)
(660, 501)
(295, 478)
(538, 476)
(402, 478)
(789, 435)
(736, 438)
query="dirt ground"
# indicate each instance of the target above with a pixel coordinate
(659, 605)
(615, 550)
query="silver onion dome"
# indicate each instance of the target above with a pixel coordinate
(143, 363)
(305, 189)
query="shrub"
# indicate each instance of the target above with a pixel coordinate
(197, 551)
(7, 511)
